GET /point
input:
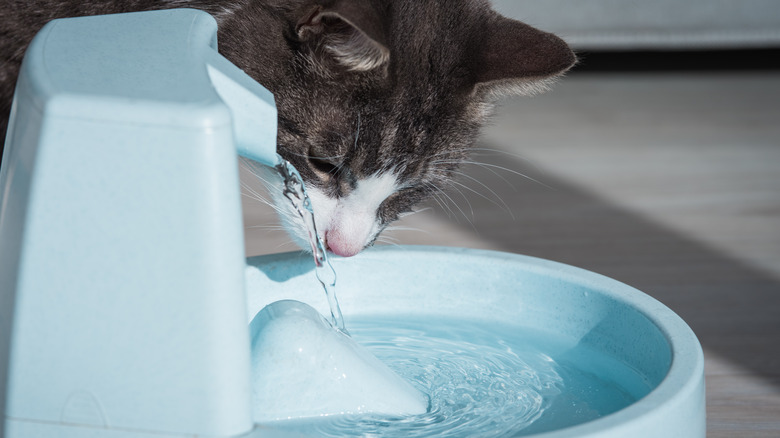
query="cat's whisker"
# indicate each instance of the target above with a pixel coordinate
(249, 189)
(492, 169)
(387, 241)
(489, 166)
(250, 192)
(496, 199)
(254, 198)
(449, 203)
(434, 193)
(385, 238)
(505, 152)
(532, 163)
(500, 201)
(455, 186)
(392, 228)
(444, 208)
(413, 212)
(255, 171)
(259, 198)
(498, 175)
(452, 201)
(515, 172)
(250, 166)
(286, 244)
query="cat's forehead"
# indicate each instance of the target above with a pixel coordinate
(407, 111)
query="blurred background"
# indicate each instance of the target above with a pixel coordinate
(656, 161)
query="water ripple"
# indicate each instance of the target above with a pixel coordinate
(475, 388)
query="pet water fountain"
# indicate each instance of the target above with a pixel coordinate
(127, 308)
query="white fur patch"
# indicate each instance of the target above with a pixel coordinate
(324, 206)
(350, 223)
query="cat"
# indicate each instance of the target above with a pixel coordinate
(378, 100)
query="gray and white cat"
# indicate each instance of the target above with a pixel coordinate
(378, 100)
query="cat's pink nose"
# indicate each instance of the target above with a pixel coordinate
(341, 245)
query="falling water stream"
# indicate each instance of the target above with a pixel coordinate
(295, 191)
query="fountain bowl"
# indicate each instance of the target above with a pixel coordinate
(579, 306)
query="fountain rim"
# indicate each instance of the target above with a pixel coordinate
(681, 382)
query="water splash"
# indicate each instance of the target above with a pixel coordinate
(295, 191)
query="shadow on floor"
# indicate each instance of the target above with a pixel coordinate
(733, 308)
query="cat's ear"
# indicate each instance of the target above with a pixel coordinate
(515, 58)
(351, 31)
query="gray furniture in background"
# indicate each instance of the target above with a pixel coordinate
(653, 24)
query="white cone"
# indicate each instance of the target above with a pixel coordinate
(303, 367)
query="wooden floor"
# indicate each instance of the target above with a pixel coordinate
(667, 182)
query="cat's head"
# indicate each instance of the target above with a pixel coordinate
(380, 100)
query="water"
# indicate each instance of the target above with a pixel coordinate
(482, 380)
(295, 191)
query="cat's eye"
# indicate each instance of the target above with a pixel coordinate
(323, 165)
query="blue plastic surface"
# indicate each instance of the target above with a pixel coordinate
(121, 237)
(586, 308)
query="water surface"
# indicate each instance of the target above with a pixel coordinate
(483, 380)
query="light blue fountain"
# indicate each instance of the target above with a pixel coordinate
(121, 238)
(124, 293)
